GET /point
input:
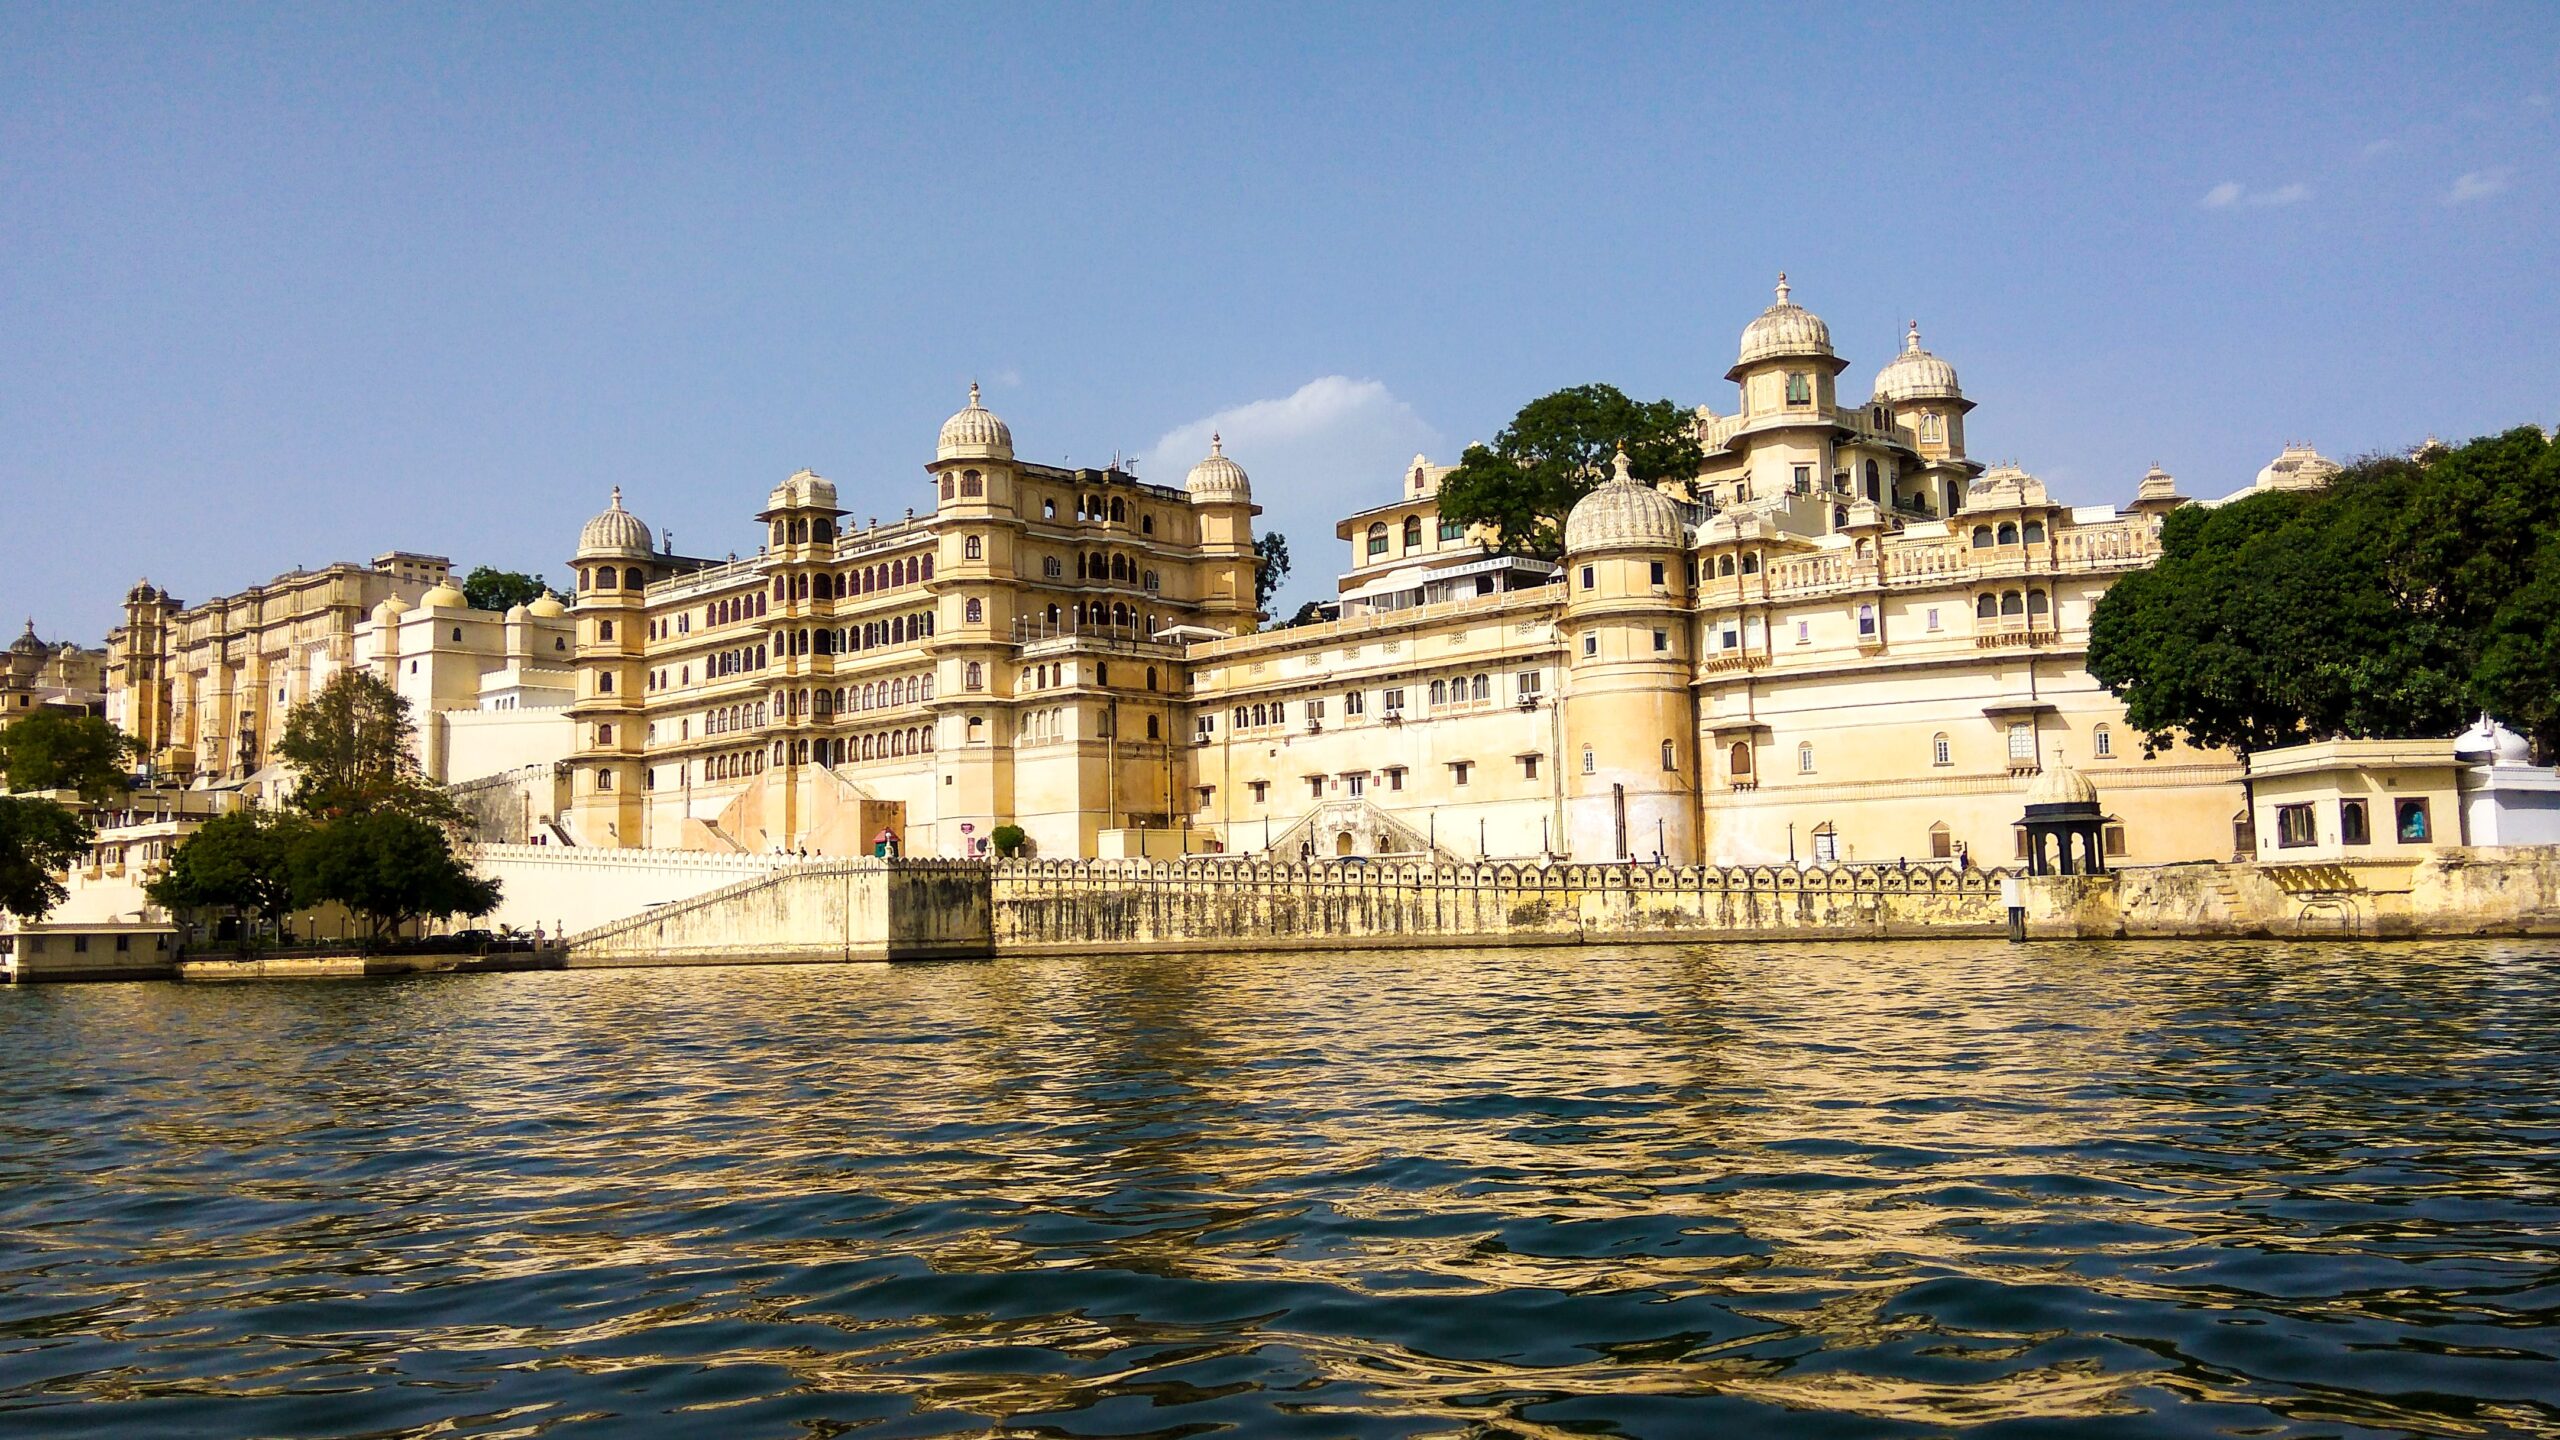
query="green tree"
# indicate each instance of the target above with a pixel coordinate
(354, 750)
(2401, 599)
(1553, 452)
(387, 867)
(242, 861)
(1310, 613)
(1271, 552)
(489, 588)
(53, 750)
(38, 839)
(1008, 839)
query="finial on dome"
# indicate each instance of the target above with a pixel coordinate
(1911, 342)
(1625, 472)
(1217, 443)
(1782, 287)
(973, 393)
(617, 497)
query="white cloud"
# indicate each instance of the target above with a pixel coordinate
(2477, 185)
(2232, 192)
(1332, 446)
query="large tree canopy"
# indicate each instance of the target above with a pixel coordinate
(53, 750)
(387, 867)
(241, 861)
(489, 588)
(1553, 452)
(355, 750)
(38, 839)
(2406, 597)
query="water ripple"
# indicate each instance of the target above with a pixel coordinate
(2246, 1189)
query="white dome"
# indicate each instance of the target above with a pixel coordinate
(805, 490)
(974, 434)
(2062, 785)
(1624, 513)
(2493, 742)
(2299, 468)
(1784, 329)
(1218, 480)
(1915, 374)
(615, 532)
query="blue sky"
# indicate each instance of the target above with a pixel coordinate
(281, 286)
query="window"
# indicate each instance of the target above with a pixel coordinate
(1315, 786)
(1931, 428)
(2022, 741)
(1738, 759)
(604, 734)
(1661, 641)
(604, 779)
(972, 548)
(1981, 537)
(1528, 767)
(2409, 821)
(1413, 532)
(1931, 622)
(1589, 577)
(1658, 581)
(2295, 827)
(1826, 844)
(1050, 568)
(1799, 389)
(1358, 785)
(1395, 777)
(1804, 632)
(1866, 622)
(2008, 533)
(1670, 756)
(2037, 604)
(604, 684)
(1451, 530)
(1804, 480)
(2035, 532)
(1526, 682)
(1804, 758)
(1154, 730)
(1377, 539)
(1355, 702)
(2103, 741)
(2012, 603)
(2111, 839)
(1942, 842)
(1048, 508)
(2353, 827)
(974, 612)
(1591, 645)
(974, 677)
(1941, 751)
(1590, 762)
(1261, 790)
(1394, 700)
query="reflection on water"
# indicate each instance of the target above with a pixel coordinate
(1864, 1190)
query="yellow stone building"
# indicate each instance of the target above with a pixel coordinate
(1844, 639)
(37, 674)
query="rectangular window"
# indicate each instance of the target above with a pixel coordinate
(1661, 641)
(1866, 622)
(1394, 700)
(1458, 771)
(1527, 681)
(1452, 530)
(2409, 822)
(2295, 827)
(1799, 389)
(2353, 827)
(1730, 637)
(1590, 646)
(1589, 576)
(1528, 767)
(1658, 581)
(1315, 786)
(1933, 618)
(1804, 632)
(2022, 740)
(1359, 784)
(1315, 709)
(2113, 839)
(1804, 479)
(1261, 790)
(1395, 778)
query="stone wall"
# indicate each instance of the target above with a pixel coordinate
(1089, 906)
(578, 887)
(2481, 891)
(814, 911)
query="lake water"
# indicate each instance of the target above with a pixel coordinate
(1869, 1190)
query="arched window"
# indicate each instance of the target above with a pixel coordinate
(1482, 688)
(948, 488)
(975, 677)
(1799, 389)
(2012, 603)
(2008, 533)
(1413, 532)
(1981, 537)
(972, 548)
(1987, 608)
(1439, 692)
(1377, 539)
(1738, 759)
(971, 485)
(1875, 482)
(799, 531)
(1670, 756)
(2035, 532)
(1119, 614)
(2102, 741)
(1590, 761)
(1804, 758)
(974, 612)
(1146, 524)
(605, 578)
(2036, 603)
(1053, 616)
(1154, 731)
(1751, 563)
(1151, 677)
(1941, 751)
(928, 567)
(1839, 516)
(1724, 566)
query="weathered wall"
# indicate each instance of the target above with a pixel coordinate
(577, 887)
(2513, 891)
(818, 911)
(1086, 906)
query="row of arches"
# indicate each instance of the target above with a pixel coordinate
(1990, 605)
(1724, 565)
(851, 639)
(1461, 689)
(854, 749)
(808, 530)
(1095, 615)
(734, 609)
(727, 719)
(738, 766)
(870, 579)
(2008, 532)
(870, 695)
(607, 577)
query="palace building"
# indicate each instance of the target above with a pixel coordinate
(1843, 639)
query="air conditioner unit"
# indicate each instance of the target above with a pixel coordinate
(1394, 717)
(1528, 702)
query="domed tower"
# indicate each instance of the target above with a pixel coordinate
(614, 566)
(1630, 730)
(138, 698)
(1920, 391)
(1789, 378)
(1222, 502)
(972, 465)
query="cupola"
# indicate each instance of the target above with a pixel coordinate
(1218, 480)
(1784, 331)
(616, 532)
(1624, 513)
(974, 434)
(1915, 374)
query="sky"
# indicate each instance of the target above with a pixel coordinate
(281, 286)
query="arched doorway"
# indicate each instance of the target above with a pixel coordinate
(1344, 845)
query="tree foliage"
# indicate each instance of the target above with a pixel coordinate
(354, 749)
(1553, 452)
(2407, 596)
(489, 588)
(242, 861)
(1271, 550)
(38, 839)
(55, 750)
(387, 867)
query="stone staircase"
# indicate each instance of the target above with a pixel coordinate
(1372, 830)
